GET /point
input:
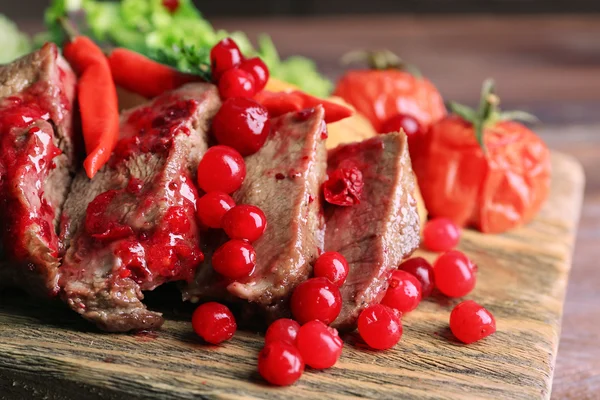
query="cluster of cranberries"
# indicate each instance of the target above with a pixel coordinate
(241, 127)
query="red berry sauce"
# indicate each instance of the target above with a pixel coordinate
(470, 322)
(245, 222)
(222, 169)
(235, 259)
(380, 327)
(440, 234)
(171, 5)
(316, 298)
(27, 153)
(333, 266)
(454, 274)
(343, 186)
(259, 71)
(236, 83)
(280, 363)
(282, 330)
(423, 271)
(212, 207)
(242, 124)
(319, 345)
(224, 56)
(404, 292)
(214, 323)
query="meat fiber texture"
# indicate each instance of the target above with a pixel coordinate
(375, 235)
(283, 179)
(36, 165)
(133, 227)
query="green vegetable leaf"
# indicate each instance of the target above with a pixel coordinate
(13, 42)
(465, 112)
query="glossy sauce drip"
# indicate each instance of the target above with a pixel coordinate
(150, 226)
(27, 151)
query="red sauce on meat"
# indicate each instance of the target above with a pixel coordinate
(150, 228)
(27, 152)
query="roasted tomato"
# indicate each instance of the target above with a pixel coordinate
(388, 89)
(480, 168)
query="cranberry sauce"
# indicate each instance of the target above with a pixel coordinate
(152, 129)
(150, 225)
(27, 151)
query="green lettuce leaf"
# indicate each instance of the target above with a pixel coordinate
(13, 42)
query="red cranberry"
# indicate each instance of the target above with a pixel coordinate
(282, 330)
(222, 169)
(414, 131)
(245, 222)
(224, 56)
(212, 207)
(213, 322)
(470, 322)
(280, 363)
(171, 5)
(236, 83)
(316, 298)
(242, 124)
(333, 266)
(343, 186)
(422, 270)
(319, 345)
(454, 274)
(440, 234)
(259, 71)
(235, 259)
(380, 327)
(404, 292)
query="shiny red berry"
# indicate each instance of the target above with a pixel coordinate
(316, 298)
(404, 292)
(212, 207)
(319, 345)
(470, 322)
(242, 124)
(236, 83)
(414, 131)
(280, 363)
(213, 322)
(422, 270)
(282, 330)
(235, 259)
(259, 71)
(224, 56)
(380, 327)
(440, 234)
(245, 222)
(171, 5)
(333, 266)
(222, 169)
(454, 274)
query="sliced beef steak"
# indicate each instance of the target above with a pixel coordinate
(133, 227)
(36, 163)
(378, 233)
(284, 180)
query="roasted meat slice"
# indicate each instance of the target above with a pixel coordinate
(36, 165)
(133, 227)
(283, 179)
(376, 234)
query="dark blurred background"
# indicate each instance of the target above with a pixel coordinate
(23, 8)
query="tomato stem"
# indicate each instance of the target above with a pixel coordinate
(380, 60)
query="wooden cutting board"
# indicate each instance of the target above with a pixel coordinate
(48, 352)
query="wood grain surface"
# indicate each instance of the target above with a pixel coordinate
(48, 352)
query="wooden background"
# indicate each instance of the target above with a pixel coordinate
(549, 65)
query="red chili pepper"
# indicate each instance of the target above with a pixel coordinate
(279, 103)
(144, 76)
(98, 103)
